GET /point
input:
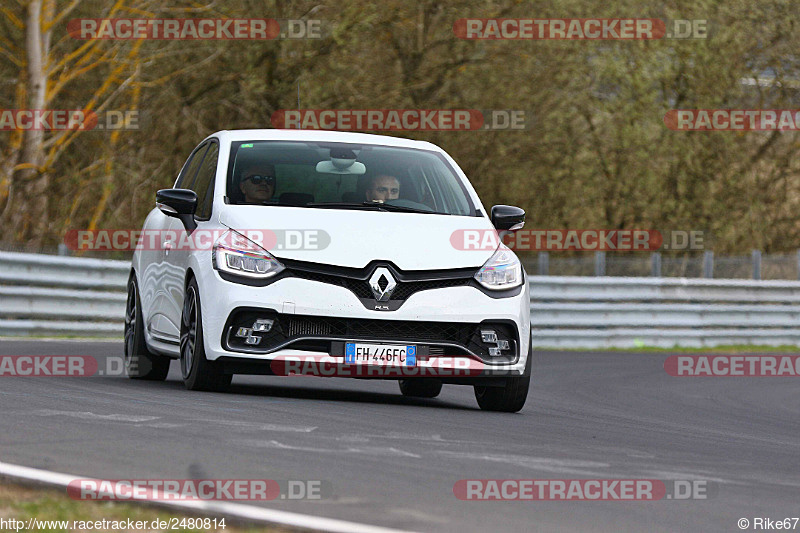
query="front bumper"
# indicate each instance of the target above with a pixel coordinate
(295, 301)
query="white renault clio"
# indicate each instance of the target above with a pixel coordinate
(277, 249)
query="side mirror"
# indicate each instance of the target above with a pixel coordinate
(178, 203)
(175, 202)
(508, 217)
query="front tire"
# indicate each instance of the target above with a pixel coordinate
(510, 398)
(140, 363)
(198, 373)
(420, 388)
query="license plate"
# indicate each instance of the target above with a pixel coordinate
(380, 354)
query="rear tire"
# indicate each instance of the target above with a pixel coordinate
(420, 388)
(198, 372)
(140, 363)
(510, 398)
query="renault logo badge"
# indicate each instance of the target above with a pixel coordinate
(382, 276)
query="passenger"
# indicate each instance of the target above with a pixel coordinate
(382, 188)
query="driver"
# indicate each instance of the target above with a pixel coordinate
(257, 183)
(382, 188)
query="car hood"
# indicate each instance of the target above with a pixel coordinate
(353, 238)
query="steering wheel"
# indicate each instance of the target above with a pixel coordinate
(402, 202)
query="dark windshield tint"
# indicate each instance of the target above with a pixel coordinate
(299, 174)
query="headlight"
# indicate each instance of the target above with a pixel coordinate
(502, 271)
(236, 254)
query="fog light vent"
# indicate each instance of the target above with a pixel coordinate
(489, 336)
(262, 325)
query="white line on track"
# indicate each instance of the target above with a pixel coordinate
(230, 510)
(368, 450)
(86, 415)
(257, 426)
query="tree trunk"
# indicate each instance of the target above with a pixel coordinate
(29, 213)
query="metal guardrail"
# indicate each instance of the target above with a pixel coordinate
(44, 295)
(612, 312)
(655, 264)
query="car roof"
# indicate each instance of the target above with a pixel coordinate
(321, 136)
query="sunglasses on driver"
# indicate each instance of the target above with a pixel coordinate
(258, 179)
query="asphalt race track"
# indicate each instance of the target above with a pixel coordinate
(393, 461)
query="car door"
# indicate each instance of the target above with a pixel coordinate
(159, 279)
(177, 257)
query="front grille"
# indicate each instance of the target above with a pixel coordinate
(311, 326)
(404, 290)
(298, 330)
(360, 286)
(308, 328)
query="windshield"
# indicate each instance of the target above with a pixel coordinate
(344, 176)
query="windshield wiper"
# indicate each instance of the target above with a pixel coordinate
(346, 205)
(404, 209)
(378, 206)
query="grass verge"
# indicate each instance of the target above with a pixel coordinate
(23, 502)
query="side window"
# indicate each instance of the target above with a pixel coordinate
(204, 183)
(186, 178)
